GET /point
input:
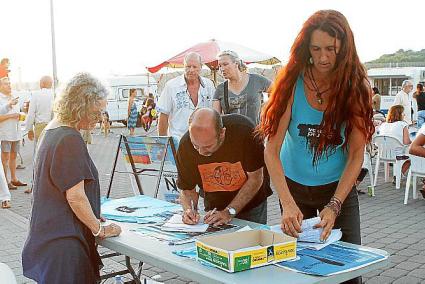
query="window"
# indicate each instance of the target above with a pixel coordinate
(126, 92)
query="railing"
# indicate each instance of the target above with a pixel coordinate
(394, 64)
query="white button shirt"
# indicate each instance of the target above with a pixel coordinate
(175, 102)
(41, 108)
(404, 99)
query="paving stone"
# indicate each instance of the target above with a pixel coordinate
(407, 280)
(398, 258)
(418, 258)
(174, 281)
(408, 265)
(394, 272)
(397, 246)
(408, 252)
(419, 273)
(380, 280)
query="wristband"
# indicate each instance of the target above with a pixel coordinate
(335, 205)
(98, 232)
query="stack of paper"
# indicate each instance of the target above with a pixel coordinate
(310, 237)
(175, 224)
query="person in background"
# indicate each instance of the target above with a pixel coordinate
(132, 111)
(10, 134)
(403, 98)
(419, 95)
(316, 127)
(4, 67)
(65, 216)
(5, 196)
(417, 148)
(397, 127)
(181, 96)
(244, 90)
(376, 99)
(40, 110)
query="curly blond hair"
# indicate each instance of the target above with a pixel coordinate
(79, 98)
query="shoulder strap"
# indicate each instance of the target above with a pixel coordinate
(226, 97)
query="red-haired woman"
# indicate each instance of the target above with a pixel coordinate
(317, 122)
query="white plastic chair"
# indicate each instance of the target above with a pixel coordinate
(388, 148)
(417, 169)
(6, 274)
(367, 164)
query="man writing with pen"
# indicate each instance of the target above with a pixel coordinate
(225, 160)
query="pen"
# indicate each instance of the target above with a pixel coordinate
(192, 204)
(213, 211)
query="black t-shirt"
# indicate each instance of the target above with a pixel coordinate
(222, 174)
(421, 101)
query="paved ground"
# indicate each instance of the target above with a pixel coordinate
(386, 223)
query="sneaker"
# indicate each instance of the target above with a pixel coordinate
(20, 167)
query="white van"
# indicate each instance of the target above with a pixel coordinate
(117, 107)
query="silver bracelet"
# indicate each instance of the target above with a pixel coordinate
(98, 232)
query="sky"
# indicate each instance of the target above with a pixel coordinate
(107, 37)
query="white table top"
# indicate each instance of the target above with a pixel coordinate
(160, 254)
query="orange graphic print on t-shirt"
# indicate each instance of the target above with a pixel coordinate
(223, 176)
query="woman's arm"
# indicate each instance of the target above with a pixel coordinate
(356, 147)
(417, 147)
(292, 216)
(406, 136)
(80, 205)
(217, 106)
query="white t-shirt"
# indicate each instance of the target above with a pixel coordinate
(394, 129)
(176, 103)
(10, 129)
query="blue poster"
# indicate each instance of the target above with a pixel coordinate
(139, 209)
(333, 259)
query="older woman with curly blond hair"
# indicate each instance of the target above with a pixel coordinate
(65, 217)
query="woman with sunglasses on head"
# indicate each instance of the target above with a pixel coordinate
(316, 124)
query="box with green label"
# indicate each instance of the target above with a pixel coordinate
(240, 251)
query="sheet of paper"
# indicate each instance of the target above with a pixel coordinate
(175, 224)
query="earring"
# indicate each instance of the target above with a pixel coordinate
(310, 60)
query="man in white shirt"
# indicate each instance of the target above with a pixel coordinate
(40, 110)
(181, 96)
(10, 134)
(404, 98)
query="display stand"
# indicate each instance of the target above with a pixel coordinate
(151, 156)
(147, 156)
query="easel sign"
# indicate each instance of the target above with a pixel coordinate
(153, 159)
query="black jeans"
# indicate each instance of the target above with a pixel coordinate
(257, 214)
(312, 198)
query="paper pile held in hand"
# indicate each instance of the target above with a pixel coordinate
(310, 237)
(175, 224)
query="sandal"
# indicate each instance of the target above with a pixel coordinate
(5, 204)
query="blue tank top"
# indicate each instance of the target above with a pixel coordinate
(296, 154)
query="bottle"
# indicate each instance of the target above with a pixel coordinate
(118, 279)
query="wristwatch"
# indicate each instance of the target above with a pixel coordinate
(232, 211)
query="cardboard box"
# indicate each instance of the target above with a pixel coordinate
(240, 251)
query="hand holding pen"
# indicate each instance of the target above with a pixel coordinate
(191, 215)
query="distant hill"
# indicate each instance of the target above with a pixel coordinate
(401, 56)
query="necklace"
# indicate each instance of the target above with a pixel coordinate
(315, 88)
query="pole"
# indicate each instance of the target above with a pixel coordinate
(52, 30)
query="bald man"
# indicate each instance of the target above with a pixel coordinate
(181, 96)
(40, 111)
(222, 157)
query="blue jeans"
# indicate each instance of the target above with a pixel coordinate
(257, 214)
(309, 199)
(421, 118)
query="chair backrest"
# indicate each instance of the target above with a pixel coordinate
(388, 147)
(417, 165)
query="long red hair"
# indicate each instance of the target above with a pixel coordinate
(350, 93)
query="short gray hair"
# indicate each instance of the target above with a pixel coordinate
(405, 83)
(82, 93)
(192, 54)
(234, 57)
